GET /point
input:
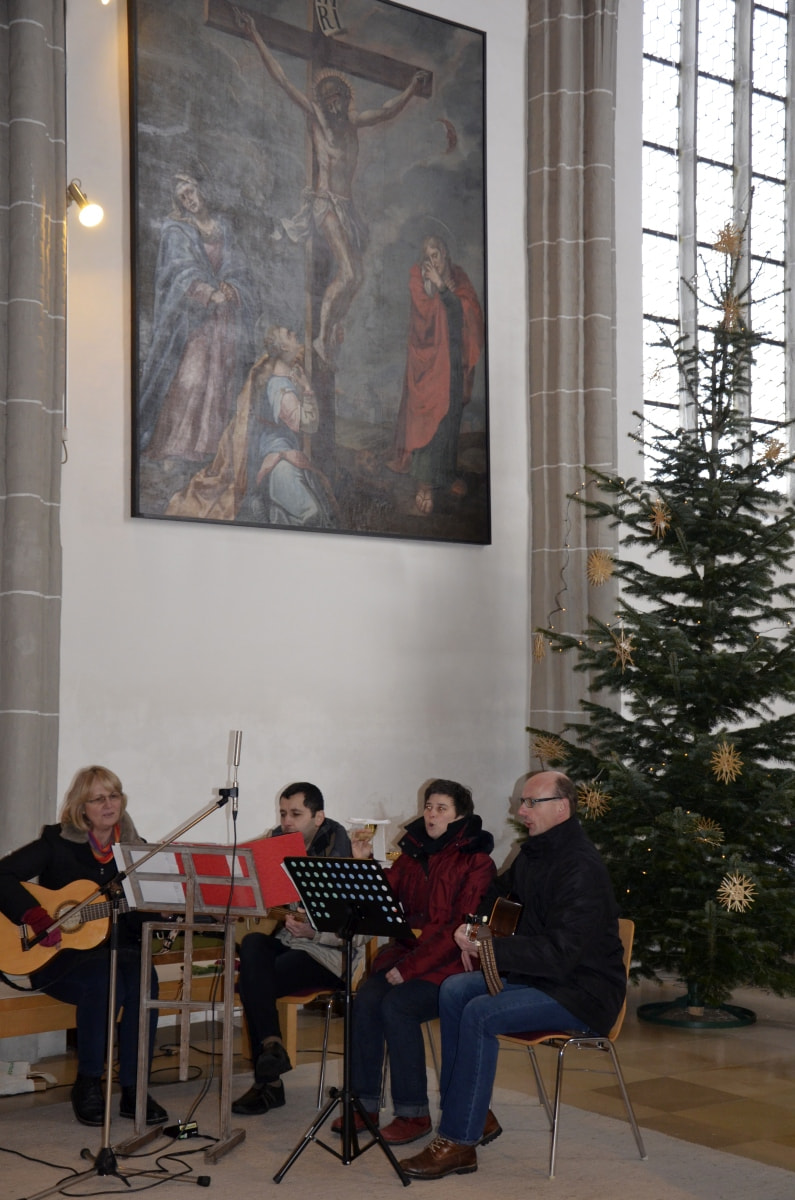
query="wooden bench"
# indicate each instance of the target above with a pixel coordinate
(24, 1013)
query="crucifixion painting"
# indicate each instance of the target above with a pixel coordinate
(309, 264)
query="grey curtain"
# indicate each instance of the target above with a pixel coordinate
(32, 378)
(571, 248)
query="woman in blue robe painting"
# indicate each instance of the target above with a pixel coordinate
(201, 344)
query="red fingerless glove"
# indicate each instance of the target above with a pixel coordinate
(39, 919)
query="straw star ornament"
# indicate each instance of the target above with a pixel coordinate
(549, 748)
(593, 800)
(726, 763)
(736, 892)
(599, 567)
(660, 518)
(624, 648)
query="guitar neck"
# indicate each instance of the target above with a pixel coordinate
(281, 912)
(103, 908)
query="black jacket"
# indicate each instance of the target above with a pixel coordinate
(566, 943)
(60, 856)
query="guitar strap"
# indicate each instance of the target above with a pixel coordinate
(488, 961)
(13, 982)
(503, 921)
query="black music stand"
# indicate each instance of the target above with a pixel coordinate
(346, 896)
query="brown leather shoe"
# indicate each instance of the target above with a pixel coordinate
(439, 1158)
(403, 1130)
(491, 1129)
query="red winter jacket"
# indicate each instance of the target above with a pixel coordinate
(437, 886)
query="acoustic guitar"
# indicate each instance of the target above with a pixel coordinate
(86, 929)
(501, 922)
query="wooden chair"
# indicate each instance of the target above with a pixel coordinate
(562, 1040)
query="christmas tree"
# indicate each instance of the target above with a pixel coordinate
(685, 757)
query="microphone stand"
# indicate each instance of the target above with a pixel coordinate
(105, 1161)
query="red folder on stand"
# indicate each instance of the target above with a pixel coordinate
(268, 854)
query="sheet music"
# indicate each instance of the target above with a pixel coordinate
(153, 891)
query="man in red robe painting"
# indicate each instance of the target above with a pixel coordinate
(445, 344)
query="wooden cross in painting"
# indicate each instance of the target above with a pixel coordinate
(334, 268)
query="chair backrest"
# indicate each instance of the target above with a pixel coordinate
(364, 966)
(626, 931)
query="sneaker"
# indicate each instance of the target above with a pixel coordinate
(358, 1123)
(272, 1061)
(88, 1101)
(155, 1113)
(259, 1099)
(403, 1130)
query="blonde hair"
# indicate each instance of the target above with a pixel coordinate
(73, 809)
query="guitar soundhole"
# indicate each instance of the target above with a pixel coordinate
(71, 923)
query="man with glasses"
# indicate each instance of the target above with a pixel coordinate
(562, 969)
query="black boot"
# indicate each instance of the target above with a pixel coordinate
(87, 1100)
(155, 1113)
(259, 1099)
(272, 1061)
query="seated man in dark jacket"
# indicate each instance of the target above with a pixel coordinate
(292, 958)
(562, 969)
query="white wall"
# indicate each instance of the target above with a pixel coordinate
(367, 665)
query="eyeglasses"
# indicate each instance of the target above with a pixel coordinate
(114, 796)
(530, 803)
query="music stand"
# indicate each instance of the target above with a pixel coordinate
(193, 880)
(346, 896)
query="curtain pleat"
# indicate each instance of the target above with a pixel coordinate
(32, 379)
(571, 248)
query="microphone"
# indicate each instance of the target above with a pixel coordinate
(236, 764)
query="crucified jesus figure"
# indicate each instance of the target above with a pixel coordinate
(328, 207)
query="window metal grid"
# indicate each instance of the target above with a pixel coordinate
(718, 148)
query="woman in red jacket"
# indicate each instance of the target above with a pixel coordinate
(441, 875)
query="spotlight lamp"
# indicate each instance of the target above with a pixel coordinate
(90, 213)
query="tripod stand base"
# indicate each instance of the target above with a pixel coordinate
(104, 1161)
(351, 1105)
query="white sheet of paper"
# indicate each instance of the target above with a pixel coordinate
(157, 893)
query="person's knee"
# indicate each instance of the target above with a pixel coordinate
(368, 999)
(254, 948)
(454, 991)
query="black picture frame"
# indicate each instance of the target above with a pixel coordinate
(309, 268)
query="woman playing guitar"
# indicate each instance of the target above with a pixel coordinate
(74, 858)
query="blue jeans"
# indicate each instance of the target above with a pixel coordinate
(471, 1019)
(392, 1014)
